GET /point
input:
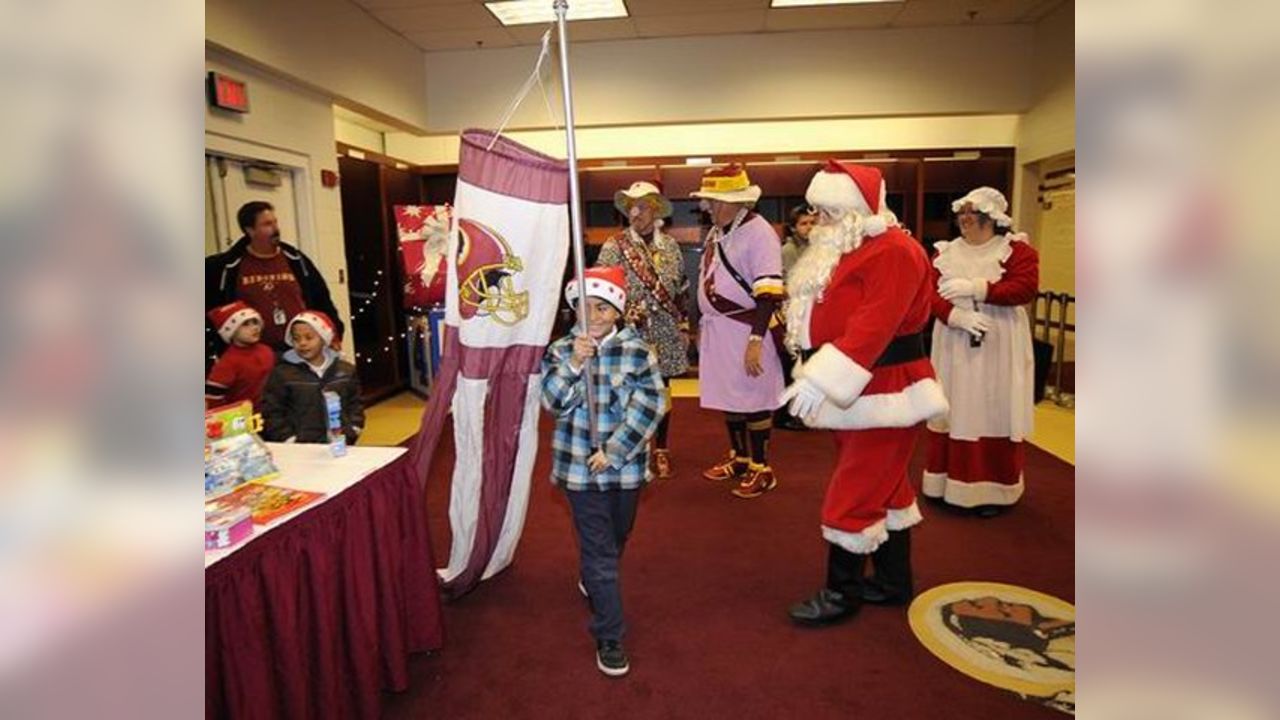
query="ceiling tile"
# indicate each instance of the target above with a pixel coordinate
(1040, 8)
(828, 18)
(579, 31)
(462, 39)
(402, 4)
(463, 16)
(641, 8)
(700, 24)
(918, 13)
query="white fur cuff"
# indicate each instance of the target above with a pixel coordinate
(860, 543)
(903, 518)
(838, 377)
(921, 400)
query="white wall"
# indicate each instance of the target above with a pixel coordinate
(1048, 128)
(358, 135)
(330, 45)
(291, 126)
(824, 74)
(744, 137)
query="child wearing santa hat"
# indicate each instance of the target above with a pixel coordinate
(293, 406)
(242, 369)
(602, 480)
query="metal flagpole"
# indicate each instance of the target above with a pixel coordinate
(575, 208)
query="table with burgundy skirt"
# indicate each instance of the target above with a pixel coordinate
(316, 615)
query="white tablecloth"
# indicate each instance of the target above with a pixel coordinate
(305, 466)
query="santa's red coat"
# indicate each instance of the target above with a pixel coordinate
(877, 292)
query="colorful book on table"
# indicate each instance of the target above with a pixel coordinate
(268, 502)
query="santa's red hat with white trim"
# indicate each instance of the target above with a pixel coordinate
(228, 318)
(607, 283)
(858, 189)
(317, 320)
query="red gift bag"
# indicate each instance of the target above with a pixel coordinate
(424, 238)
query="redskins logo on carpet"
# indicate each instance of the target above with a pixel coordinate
(1007, 636)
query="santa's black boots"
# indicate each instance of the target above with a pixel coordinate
(890, 582)
(842, 596)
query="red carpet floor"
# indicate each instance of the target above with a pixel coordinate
(706, 581)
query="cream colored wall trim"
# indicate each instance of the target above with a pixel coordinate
(782, 137)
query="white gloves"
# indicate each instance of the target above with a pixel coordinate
(805, 398)
(971, 321)
(956, 288)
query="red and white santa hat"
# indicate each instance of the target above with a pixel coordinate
(228, 318)
(317, 320)
(607, 283)
(857, 189)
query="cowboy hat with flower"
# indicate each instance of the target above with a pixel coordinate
(640, 190)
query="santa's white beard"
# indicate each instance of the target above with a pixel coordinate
(828, 242)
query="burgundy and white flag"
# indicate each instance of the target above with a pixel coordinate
(506, 258)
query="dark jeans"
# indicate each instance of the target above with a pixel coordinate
(603, 521)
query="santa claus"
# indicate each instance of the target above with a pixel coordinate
(860, 297)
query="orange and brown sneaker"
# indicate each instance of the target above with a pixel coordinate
(662, 463)
(733, 468)
(758, 481)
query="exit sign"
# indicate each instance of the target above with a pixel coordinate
(228, 93)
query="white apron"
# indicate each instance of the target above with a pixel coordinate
(989, 387)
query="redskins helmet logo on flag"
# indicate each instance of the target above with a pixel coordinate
(508, 245)
(486, 270)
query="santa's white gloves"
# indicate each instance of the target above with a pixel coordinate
(956, 288)
(804, 396)
(973, 322)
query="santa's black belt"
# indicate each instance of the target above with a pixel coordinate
(902, 349)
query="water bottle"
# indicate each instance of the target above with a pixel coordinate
(337, 439)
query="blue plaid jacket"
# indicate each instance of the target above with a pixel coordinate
(630, 402)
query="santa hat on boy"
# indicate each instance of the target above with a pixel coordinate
(607, 283)
(318, 322)
(857, 189)
(228, 318)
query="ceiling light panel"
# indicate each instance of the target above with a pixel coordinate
(527, 12)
